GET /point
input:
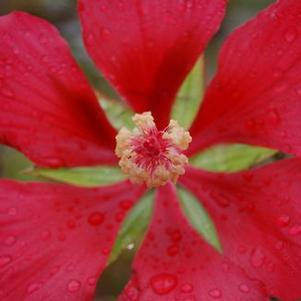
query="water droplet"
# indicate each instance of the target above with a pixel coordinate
(96, 218)
(105, 32)
(257, 258)
(175, 235)
(244, 288)
(92, 281)
(74, 286)
(279, 245)
(273, 117)
(105, 251)
(283, 220)
(298, 91)
(12, 211)
(90, 38)
(126, 205)
(163, 284)
(119, 216)
(281, 87)
(290, 36)
(172, 250)
(215, 293)
(10, 240)
(226, 267)
(7, 93)
(132, 293)
(295, 230)
(187, 288)
(33, 287)
(53, 162)
(4, 260)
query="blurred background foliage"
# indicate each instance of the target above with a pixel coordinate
(63, 14)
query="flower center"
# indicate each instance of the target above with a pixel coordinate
(150, 156)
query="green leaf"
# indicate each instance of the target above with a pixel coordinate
(231, 157)
(134, 226)
(189, 97)
(118, 114)
(81, 176)
(199, 218)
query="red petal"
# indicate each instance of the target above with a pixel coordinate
(257, 215)
(255, 96)
(147, 48)
(55, 239)
(48, 111)
(175, 264)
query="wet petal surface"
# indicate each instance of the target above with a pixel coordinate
(48, 111)
(174, 263)
(257, 215)
(145, 49)
(55, 239)
(255, 96)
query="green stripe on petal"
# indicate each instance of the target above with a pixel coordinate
(189, 96)
(118, 114)
(231, 157)
(134, 226)
(199, 218)
(81, 176)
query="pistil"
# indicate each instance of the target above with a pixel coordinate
(151, 156)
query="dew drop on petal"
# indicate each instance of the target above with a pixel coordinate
(33, 287)
(125, 205)
(74, 286)
(12, 211)
(273, 117)
(53, 162)
(163, 283)
(132, 293)
(215, 293)
(45, 235)
(283, 220)
(257, 258)
(173, 250)
(4, 260)
(105, 251)
(295, 230)
(290, 36)
(298, 91)
(187, 288)
(10, 240)
(244, 288)
(92, 281)
(7, 93)
(96, 218)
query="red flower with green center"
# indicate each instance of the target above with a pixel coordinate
(55, 239)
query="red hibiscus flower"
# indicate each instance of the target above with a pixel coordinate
(55, 239)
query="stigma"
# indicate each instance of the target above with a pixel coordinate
(151, 156)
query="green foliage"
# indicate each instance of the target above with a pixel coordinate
(190, 96)
(134, 226)
(231, 157)
(82, 176)
(199, 218)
